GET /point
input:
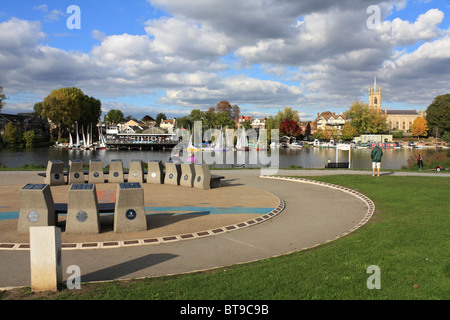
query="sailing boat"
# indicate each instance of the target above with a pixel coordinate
(191, 147)
(84, 139)
(261, 145)
(101, 139)
(242, 144)
(219, 144)
(70, 142)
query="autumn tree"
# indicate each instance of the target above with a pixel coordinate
(419, 127)
(66, 106)
(366, 120)
(290, 128)
(225, 106)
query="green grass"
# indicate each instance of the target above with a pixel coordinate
(408, 238)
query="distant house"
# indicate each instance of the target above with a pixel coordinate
(308, 127)
(330, 121)
(242, 119)
(258, 124)
(130, 129)
(168, 125)
(25, 122)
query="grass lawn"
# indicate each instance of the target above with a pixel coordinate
(407, 238)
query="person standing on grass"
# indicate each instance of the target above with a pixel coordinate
(376, 156)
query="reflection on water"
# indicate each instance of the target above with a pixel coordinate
(306, 157)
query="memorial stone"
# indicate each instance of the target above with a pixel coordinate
(155, 172)
(76, 172)
(136, 171)
(202, 178)
(96, 171)
(129, 213)
(82, 210)
(187, 175)
(36, 207)
(116, 171)
(173, 173)
(55, 173)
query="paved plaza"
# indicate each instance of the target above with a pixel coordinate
(250, 217)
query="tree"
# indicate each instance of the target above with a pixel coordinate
(115, 116)
(159, 118)
(438, 114)
(11, 136)
(365, 120)
(287, 113)
(290, 128)
(348, 132)
(419, 127)
(225, 106)
(66, 106)
(2, 98)
(29, 138)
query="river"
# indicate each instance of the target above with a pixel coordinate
(306, 157)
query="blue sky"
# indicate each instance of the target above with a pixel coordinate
(171, 56)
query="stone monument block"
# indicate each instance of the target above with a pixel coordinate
(36, 207)
(173, 173)
(76, 172)
(136, 171)
(116, 171)
(155, 172)
(202, 178)
(82, 210)
(45, 258)
(187, 175)
(129, 212)
(96, 171)
(55, 173)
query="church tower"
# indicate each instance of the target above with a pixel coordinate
(375, 96)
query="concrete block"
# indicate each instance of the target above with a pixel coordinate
(55, 173)
(202, 178)
(155, 172)
(116, 171)
(173, 173)
(187, 175)
(36, 207)
(82, 210)
(96, 171)
(76, 172)
(136, 171)
(129, 212)
(45, 258)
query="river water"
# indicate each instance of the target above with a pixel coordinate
(306, 157)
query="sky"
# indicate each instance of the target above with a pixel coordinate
(145, 57)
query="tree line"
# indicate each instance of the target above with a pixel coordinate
(66, 107)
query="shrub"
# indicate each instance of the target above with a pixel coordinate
(431, 158)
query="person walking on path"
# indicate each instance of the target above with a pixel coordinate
(376, 156)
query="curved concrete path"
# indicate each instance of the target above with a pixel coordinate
(314, 214)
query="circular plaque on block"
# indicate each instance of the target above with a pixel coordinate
(76, 175)
(130, 214)
(135, 174)
(186, 177)
(96, 174)
(199, 179)
(153, 174)
(82, 216)
(171, 176)
(116, 174)
(57, 176)
(33, 216)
